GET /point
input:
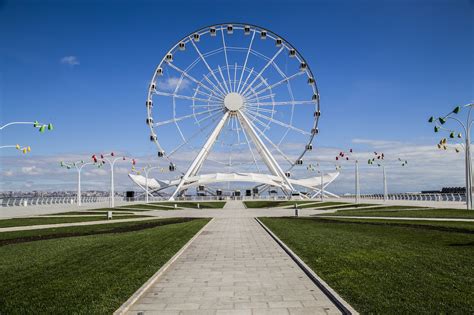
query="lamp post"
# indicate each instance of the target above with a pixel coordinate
(466, 129)
(41, 127)
(146, 170)
(78, 165)
(348, 156)
(24, 150)
(379, 160)
(312, 168)
(111, 159)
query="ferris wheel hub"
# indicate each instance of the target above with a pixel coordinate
(233, 101)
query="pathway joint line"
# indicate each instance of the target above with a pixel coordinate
(340, 303)
(135, 296)
(394, 218)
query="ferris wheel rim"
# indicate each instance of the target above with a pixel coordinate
(255, 28)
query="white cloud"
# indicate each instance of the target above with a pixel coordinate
(428, 168)
(70, 60)
(169, 84)
(31, 170)
(8, 173)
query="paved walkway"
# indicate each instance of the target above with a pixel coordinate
(59, 225)
(397, 218)
(233, 267)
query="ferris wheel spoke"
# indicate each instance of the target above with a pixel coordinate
(280, 82)
(226, 59)
(237, 129)
(206, 105)
(292, 97)
(261, 109)
(208, 95)
(198, 122)
(235, 77)
(200, 131)
(214, 86)
(190, 77)
(253, 89)
(258, 99)
(184, 97)
(245, 82)
(245, 62)
(207, 65)
(264, 68)
(249, 146)
(174, 120)
(276, 147)
(252, 117)
(278, 122)
(223, 80)
(286, 103)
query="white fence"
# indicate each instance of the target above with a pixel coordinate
(40, 201)
(71, 200)
(414, 197)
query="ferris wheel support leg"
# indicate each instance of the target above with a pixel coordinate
(267, 157)
(201, 157)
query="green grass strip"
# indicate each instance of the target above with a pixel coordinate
(50, 220)
(416, 213)
(384, 268)
(92, 274)
(193, 204)
(277, 203)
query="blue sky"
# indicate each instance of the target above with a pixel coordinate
(382, 67)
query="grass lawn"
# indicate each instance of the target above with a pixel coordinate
(282, 203)
(193, 204)
(333, 205)
(146, 207)
(90, 213)
(416, 213)
(91, 274)
(387, 268)
(49, 220)
(450, 226)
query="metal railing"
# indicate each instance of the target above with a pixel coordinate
(414, 197)
(40, 201)
(71, 200)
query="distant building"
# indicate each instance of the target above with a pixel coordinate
(446, 190)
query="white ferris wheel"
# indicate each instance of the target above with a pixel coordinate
(233, 103)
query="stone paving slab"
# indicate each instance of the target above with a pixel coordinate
(233, 267)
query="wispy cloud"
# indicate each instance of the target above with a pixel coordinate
(169, 84)
(70, 60)
(428, 168)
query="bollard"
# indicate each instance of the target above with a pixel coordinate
(199, 207)
(175, 206)
(109, 215)
(296, 210)
(25, 203)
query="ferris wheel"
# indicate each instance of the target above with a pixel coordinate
(233, 99)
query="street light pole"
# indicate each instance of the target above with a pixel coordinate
(379, 160)
(346, 156)
(466, 127)
(78, 165)
(36, 124)
(322, 183)
(105, 158)
(357, 187)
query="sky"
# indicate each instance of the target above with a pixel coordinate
(382, 68)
